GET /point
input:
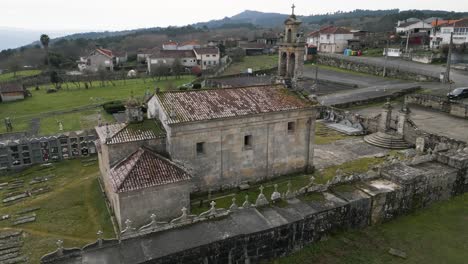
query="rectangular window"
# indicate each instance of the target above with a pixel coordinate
(291, 127)
(248, 142)
(200, 148)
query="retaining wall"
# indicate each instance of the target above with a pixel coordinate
(439, 103)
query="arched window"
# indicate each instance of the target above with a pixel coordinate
(289, 36)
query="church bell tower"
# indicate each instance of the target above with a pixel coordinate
(291, 50)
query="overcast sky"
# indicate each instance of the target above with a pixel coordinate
(130, 14)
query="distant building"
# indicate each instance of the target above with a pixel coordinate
(404, 27)
(442, 29)
(144, 54)
(102, 59)
(207, 57)
(167, 58)
(189, 45)
(254, 48)
(11, 92)
(330, 39)
(171, 45)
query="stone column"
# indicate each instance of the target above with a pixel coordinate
(386, 117)
(402, 118)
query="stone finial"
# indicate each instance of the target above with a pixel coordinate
(275, 195)
(153, 218)
(246, 203)
(99, 235)
(59, 247)
(261, 199)
(289, 193)
(312, 180)
(128, 227)
(233, 206)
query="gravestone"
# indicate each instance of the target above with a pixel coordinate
(420, 141)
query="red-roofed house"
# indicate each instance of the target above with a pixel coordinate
(330, 39)
(442, 29)
(189, 45)
(101, 58)
(170, 45)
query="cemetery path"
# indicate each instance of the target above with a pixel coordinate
(35, 126)
(48, 234)
(60, 189)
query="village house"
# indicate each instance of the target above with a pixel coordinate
(166, 58)
(189, 45)
(11, 92)
(102, 59)
(170, 45)
(144, 54)
(442, 30)
(413, 26)
(330, 39)
(207, 57)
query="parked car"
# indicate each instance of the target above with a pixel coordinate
(458, 93)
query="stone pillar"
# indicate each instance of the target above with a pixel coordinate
(311, 143)
(386, 117)
(402, 118)
(299, 68)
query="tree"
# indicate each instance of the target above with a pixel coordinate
(177, 68)
(45, 43)
(55, 79)
(14, 66)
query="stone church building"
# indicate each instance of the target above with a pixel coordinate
(201, 140)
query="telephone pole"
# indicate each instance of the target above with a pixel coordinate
(407, 41)
(449, 59)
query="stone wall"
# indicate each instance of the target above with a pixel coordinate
(253, 235)
(349, 63)
(439, 103)
(370, 125)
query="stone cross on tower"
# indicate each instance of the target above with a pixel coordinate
(291, 51)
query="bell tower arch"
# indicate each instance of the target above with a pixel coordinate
(291, 50)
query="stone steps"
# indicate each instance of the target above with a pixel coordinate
(384, 140)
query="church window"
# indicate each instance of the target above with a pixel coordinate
(200, 148)
(291, 127)
(248, 141)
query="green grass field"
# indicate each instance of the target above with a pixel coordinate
(21, 112)
(438, 234)
(73, 211)
(8, 77)
(260, 62)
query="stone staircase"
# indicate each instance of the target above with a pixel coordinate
(387, 140)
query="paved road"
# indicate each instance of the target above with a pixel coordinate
(361, 80)
(459, 77)
(363, 94)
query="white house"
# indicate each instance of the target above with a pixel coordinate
(441, 32)
(167, 58)
(189, 45)
(171, 45)
(207, 57)
(102, 59)
(330, 39)
(413, 27)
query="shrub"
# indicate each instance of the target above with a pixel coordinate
(196, 86)
(113, 107)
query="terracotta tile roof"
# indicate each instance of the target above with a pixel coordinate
(191, 106)
(11, 88)
(105, 52)
(330, 30)
(122, 132)
(460, 23)
(191, 42)
(144, 169)
(212, 50)
(441, 22)
(172, 43)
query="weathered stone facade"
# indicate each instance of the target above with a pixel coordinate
(253, 235)
(291, 50)
(280, 142)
